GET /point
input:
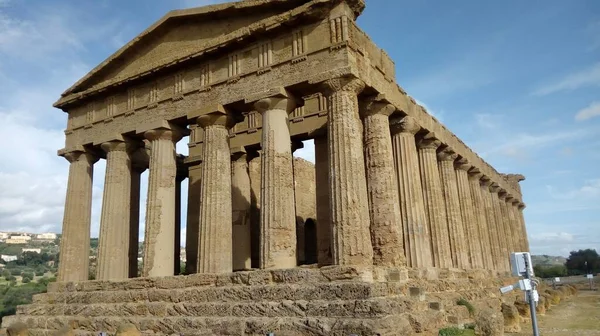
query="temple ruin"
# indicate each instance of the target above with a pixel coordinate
(403, 207)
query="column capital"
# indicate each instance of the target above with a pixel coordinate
(509, 198)
(276, 102)
(163, 133)
(77, 155)
(344, 83)
(238, 153)
(502, 194)
(376, 105)
(486, 181)
(447, 154)
(515, 202)
(405, 124)
(120, 146)
(429, 141)
(521, 206)
(494, 187)
(462, 164)
(475, 175)
(216, 118)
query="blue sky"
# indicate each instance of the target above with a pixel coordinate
(518, 81)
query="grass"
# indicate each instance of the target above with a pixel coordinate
(470, 308)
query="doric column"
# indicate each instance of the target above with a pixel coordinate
(467, 212)
(139, 163)
(417, 246)
(215, 238)
(382, 188)
(113, 244)
(521, 219)
(435, 208)
(490, 218)
(347, 181)
(322, 190)
(277, 209)
(480, 219)
(503, 257)
(240, 198)
(192, 230)
(458, 244)
(160, 205)
(514, 230)
(182, 174)
(75, 241)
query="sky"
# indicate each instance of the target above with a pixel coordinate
(517, 81)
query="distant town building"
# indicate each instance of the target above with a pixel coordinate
(19, 239)
(34, 250)
(4, 235)
(46, 236)
(8, 258)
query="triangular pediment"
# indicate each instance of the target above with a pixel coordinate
(183, 34)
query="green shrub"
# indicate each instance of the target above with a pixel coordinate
(451, 331)
(15, 271)
(39, 273)
(470, 308)
(26, 280)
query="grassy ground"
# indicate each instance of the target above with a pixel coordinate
(578, 315)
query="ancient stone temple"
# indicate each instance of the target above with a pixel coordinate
(407, 217)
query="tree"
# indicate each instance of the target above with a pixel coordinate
(583, 262)
(26, 280)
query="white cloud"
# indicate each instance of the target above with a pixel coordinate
(589, 192)
(553, 237)
(589, 112)
(584, 78)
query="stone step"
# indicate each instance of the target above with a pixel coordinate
(371, 308)
(389, 326)
(321, 275)
(308, 292)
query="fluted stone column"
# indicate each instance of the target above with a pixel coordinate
(521, 218)
(181, 175)
(513, 206)
(160, 204)
(417, 246)
(277, 209)
(134, 222)
(480, 219)
(75, 241)
(491, 222)
(215, 238)
(192, 229)
(113, 244)
(240, 196)
(347, 181)
(322, 191)
(435, 208)
(467, 212)
(254, 170)
(503, 256)
(139, 163)
(382, 188)
(458, 243)
(512, 225)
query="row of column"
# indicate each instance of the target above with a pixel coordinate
(413, 197)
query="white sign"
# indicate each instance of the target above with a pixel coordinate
(556, 279)
(590, 276)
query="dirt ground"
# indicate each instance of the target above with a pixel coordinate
(576, 316)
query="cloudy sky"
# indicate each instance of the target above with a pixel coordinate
(518, 81)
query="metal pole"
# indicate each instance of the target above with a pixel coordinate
(531, 299)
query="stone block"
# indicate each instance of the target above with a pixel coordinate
(337, 273)
(417, 293)
(435, 305)
(199, 280)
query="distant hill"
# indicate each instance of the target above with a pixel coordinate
(546, 260)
